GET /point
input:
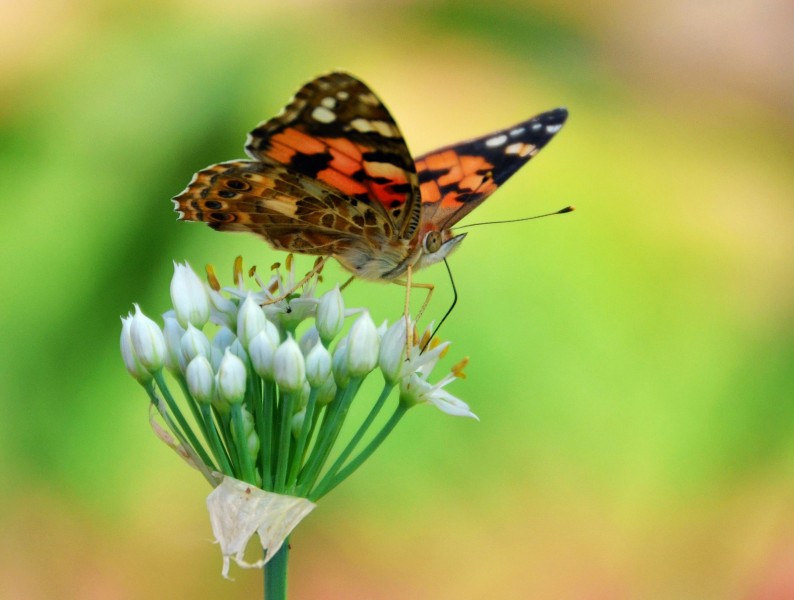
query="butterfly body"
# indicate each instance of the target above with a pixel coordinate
(332, 176)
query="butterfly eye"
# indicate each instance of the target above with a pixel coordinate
(432, 242)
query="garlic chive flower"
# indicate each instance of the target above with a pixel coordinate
(194, 343)
(250, 320)
(134, 366)
(289, 366)
(231, 378)
(201, 379)
(147, 341)
(266, 410)
(190, 297)
(318, 365)
(330, 315)
(173, 332)
(362, 347)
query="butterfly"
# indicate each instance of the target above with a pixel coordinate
(331, 175)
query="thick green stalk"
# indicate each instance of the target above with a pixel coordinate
(276, 574)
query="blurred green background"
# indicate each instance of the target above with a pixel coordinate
(631, 363)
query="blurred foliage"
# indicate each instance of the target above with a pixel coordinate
(631, 362)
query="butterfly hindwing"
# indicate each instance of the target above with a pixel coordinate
(455, 179)
(290, 210)
(336, 130)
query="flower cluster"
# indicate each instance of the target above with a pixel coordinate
(267, 394)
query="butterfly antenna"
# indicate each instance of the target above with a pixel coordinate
(449, 310)
(567, 209)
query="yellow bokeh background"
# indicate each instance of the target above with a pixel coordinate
(632, 363)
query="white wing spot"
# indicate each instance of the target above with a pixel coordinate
(514, 148)
(368, 99)
(383, 128)
(323, 115)
(517, 131)
(328, 102)
(342, 95)
(496, 141)
(553, 128)
(362, 125)
(536, 126)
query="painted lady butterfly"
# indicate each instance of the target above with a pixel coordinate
(332, 176)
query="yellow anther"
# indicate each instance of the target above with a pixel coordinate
(275, 266)
(238, 270)
(457, 370)
(252, 271)
(212, 279)
(288, 262)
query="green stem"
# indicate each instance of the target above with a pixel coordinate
(331, 473)
(354, 464)
(284, 437)
(186, 447)
(240, 439)
(188, 431)
(266, 433)
(191, 402)
(215, 441)
(303, 438)
(329, 430)
(276, 574)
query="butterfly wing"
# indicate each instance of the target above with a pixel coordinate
(331, 176)
(291, 211)
(336, 130)
(455, 179)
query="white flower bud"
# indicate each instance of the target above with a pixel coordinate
(392, 351)
(297, 422)
(216, 356)
(134, 367)
(308, 340)
(303, 399)
(173, 332)
(318, 365)
(147, 341)
(224, 311)
(289, 367)
(237, 349)
(339, 363)
(250, 320)
(189, 297)
(201, 379)
(326, 392)
(194, 343)
(231, 378)
(330, 315)
(362, 346)
(261, 351)
(223, 339)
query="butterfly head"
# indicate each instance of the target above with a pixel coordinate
(437, 245)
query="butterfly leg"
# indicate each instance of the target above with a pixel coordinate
(347, 283)
(408, 283)
(318, 266)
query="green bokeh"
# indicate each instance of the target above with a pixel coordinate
(631, 363)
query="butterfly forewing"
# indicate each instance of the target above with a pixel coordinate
(455, 179)
(336, 130)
